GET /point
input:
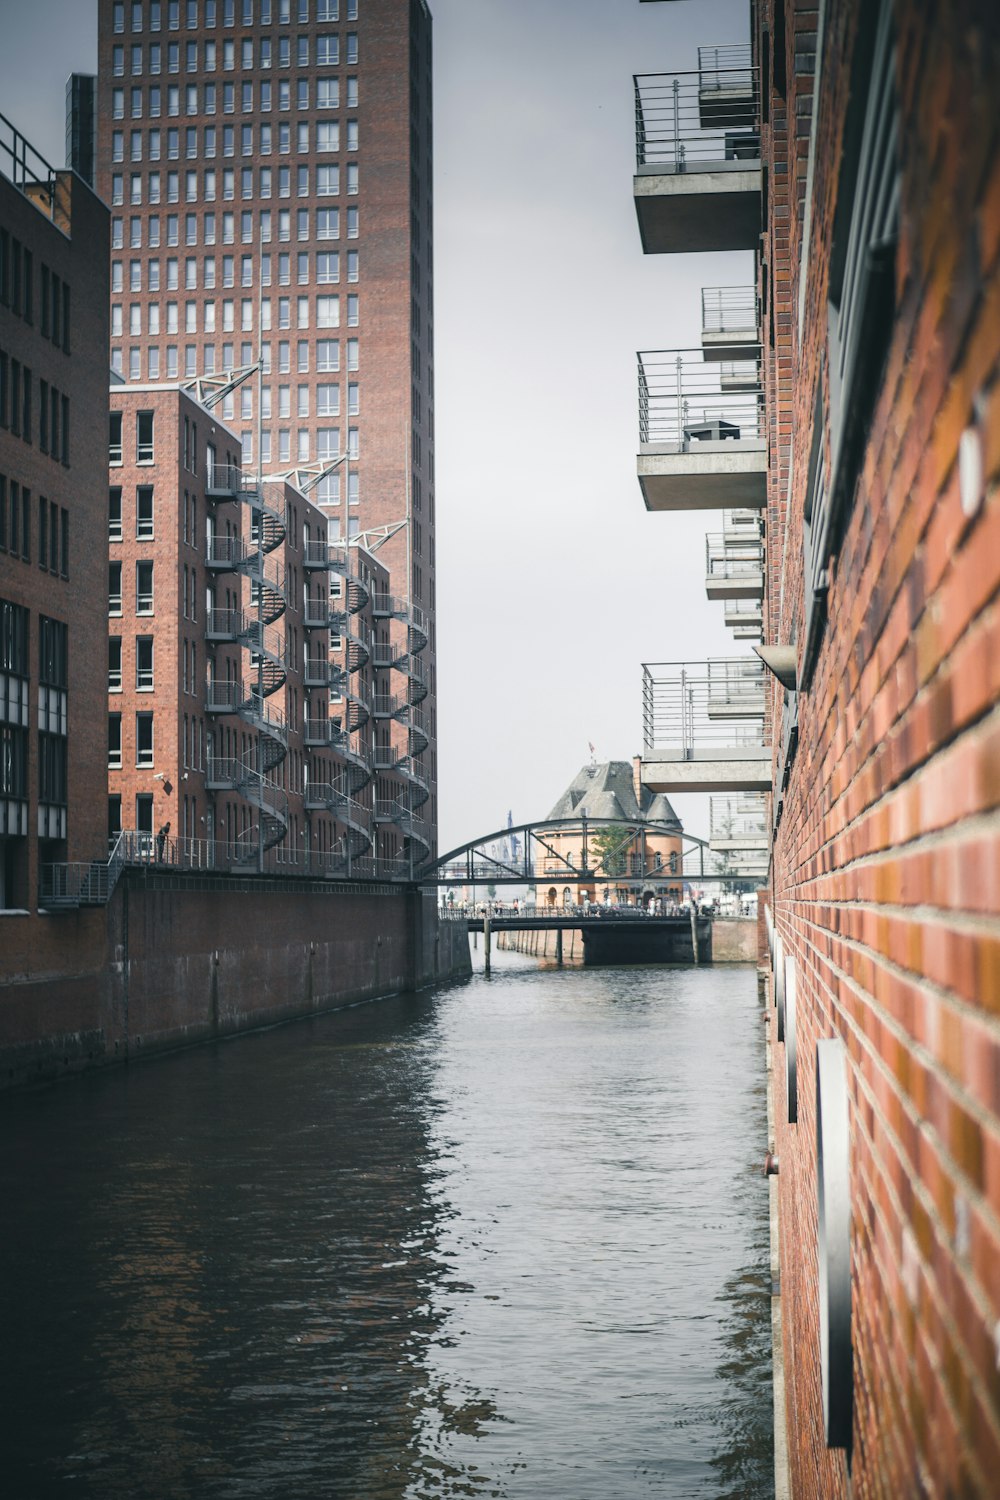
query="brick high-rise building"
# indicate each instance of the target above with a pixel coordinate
(268, 166)
(53, 410)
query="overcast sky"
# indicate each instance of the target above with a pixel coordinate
(554, 583)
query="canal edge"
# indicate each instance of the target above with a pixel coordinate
(782, 1474)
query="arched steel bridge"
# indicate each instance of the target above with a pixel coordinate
(516, 855)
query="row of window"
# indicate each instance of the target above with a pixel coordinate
(17, 407)
(143, 742)
(53, 645)
(324, 137)
(143, 437)
(154, 100)
(321, 269)
(319, 51)
(15, 528)
(143, 588)
(143, 513)
(231, 13)
(17, 290)
(327, 399)
(326, 184)
(326, 315)
(320, 224)
(52, 780)
(143, 653)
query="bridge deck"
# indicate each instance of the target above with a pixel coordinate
(577, 922)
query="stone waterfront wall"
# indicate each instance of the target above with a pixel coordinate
(734, 940)
(176, 960)
(886, 860)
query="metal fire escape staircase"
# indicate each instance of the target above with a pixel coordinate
(252, 776)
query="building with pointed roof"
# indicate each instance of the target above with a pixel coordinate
(628, 841)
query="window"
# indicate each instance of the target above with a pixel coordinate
(352, 310)
(327, 312)
(144, 511)
(114, 742)
(144, 739)
(144, 663)
(352, 47)
(114, 588)
(114, 664)
(327, 93)
(327, 51)
(352, 177)
(143, 437)
(143, 588)
(352, 265)
(328, 400)
(327, 135)
(328, 355)
(115, 438)
(352, 135)
(114, 515)
(327, 181)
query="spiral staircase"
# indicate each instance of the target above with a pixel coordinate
(255, 632)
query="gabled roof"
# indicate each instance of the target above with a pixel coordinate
(608, 791)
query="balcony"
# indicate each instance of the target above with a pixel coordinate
(730, 322)
(734, 569)
(704, 727)
(744, 617)
(697, 184)
(738, 826)
(701, 432)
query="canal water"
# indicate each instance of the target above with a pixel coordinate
(506, 1239)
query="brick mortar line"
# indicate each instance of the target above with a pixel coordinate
(972, 1105)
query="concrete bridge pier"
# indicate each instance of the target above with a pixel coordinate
(559, 948)
(486, 943)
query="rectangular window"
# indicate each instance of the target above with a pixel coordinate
(143, 588)
(114, 588)
(114, 742)
(144, 511)
(144, 437)
(144, 739)
(114, 664)
(144, 663)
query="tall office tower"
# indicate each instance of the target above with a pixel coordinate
(268, 166)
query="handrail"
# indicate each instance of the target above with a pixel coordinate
(685, 399)
(709, 116)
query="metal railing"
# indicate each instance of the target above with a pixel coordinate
(685, 399)
(25, 167)
(729, 309)
(742, 817)
(727, 558)
(710, 117)
(681, 703)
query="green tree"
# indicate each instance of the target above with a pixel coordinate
(611, 846)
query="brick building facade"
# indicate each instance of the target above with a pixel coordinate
(268, 166)
(868, 135)
(53, 379)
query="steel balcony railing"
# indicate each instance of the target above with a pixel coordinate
(389, 607)
(225, 482)
(729, 309)
(688, 708)
(316, 556)
(742, 817)
(727, 558)
(710, 117)
(685, 400)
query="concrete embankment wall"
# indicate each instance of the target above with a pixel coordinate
(734, 940)
(542, 944)
(175, 960)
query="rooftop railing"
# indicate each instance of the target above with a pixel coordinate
(25, 167)
(711, 117)
(729, 309)
(689, 707)
(686, 400)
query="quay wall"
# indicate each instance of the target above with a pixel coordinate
(175, 960)
(734, 940)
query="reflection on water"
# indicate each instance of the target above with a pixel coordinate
(506, 1240)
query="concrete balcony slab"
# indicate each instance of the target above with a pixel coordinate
(704, 475)
(741, 586)
(738, 343)
(727, 770)
(707, 207)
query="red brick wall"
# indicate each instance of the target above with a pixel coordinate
(176, 960)
(886, 871)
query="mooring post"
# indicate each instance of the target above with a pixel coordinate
(486, 942)
(559, 957)
(694, 934)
